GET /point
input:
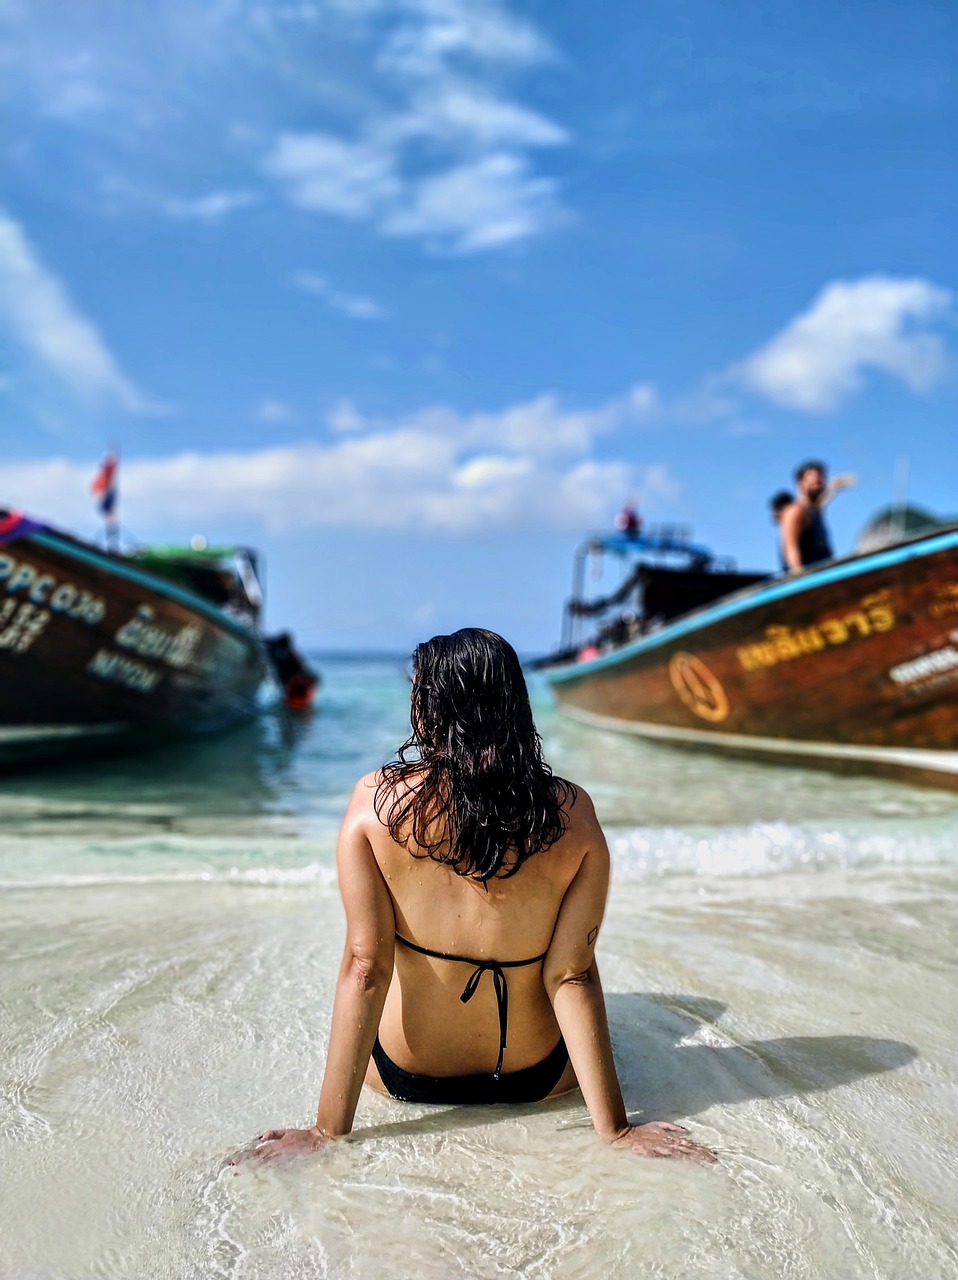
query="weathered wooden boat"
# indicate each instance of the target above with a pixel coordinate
(850, 665)
(99, 649)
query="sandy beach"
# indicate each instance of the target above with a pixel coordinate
(787, 990)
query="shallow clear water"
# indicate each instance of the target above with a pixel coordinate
(779, 958)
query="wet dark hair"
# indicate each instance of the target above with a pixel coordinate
(811, 465)
(779, 501)
(470, 787)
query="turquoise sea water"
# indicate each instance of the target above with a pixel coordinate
(779, 958)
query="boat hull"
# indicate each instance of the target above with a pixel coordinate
(95, 651)
(852, 665)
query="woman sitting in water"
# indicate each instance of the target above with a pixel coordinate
(474, 883)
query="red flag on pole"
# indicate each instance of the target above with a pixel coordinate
(104, 486)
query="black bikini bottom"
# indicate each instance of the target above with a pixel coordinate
(530, 1084)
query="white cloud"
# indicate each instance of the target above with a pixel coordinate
(355, 305)
(209, 208)
(435, 31)
(437, 153)
(396, 482)
(878, 322)
(400, 93)
(438, 471)
(120, 196)
(37, 310)
(460, 111)
(540, 428)
(480, 205)
(329, 175)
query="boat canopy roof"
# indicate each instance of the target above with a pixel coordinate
(667, 540)
(202, 555)
(225, 574)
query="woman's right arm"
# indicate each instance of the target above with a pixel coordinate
(572, 980)
(364, 978)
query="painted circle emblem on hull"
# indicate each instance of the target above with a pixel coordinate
(698, 687)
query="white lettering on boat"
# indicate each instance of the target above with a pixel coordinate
(176, 648)
(20, 624)
(18, 577)
(930, 664)
(118, 669)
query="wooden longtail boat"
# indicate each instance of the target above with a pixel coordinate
(852, 664)
(99, 649)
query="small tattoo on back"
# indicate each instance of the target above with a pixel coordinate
(593, 934)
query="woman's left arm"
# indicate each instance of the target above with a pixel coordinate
(364, 978)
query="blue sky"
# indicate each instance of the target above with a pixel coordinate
(414, 293)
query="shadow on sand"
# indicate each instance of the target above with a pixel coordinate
(662, 1073)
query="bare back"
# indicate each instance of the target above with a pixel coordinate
(426, 1027)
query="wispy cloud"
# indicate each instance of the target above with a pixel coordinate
(39, 314)
(211, 208)
(456, 111)
(120, 196)
(451, 162)
(354, 305)
(433, 32)
(539, 428)
(481, 205)
(326, 174)
(406, 101)
(879, 323)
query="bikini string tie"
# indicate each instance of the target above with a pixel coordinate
(502, 1000)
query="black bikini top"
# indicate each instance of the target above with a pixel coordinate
(495, 967)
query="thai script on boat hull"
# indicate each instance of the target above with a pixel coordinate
(785, 644)
(945, 601)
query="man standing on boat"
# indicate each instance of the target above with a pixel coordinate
(804, 537)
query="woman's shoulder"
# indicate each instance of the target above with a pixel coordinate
(583, 830)
(578, 805)
(377, 791)
(362, 802)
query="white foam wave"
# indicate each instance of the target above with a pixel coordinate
(639, 853)
(311, 876)
(762, 848)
